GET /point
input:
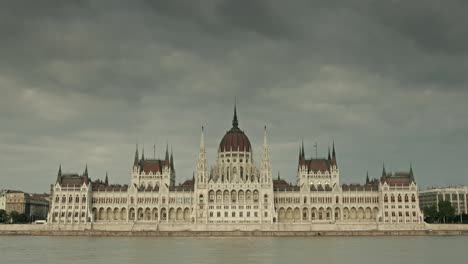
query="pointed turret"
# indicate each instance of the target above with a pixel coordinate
(135, 161)
(202, 175)
(59, 174)
(384, 172)
(333, 151)
(86, 170)
(279, 178)
(143, 153)
(106, 181)
(235, 122)
(411, 172)
(303, 151)
(329, 156)
(265, 166)
(172, 160)
(166, 157)
(367, 178)
(300, 155)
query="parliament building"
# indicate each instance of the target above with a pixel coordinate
(235, 194)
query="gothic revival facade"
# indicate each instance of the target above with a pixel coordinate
(234, 192)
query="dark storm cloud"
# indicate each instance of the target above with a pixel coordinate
(83, 81)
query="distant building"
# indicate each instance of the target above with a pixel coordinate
(34, 206)
(456, 195)
(235, 193)
(2, 200)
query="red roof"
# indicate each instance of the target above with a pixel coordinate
(397, 179)
(72, 180)
(151, 166)
(234, 140)
(316, 165)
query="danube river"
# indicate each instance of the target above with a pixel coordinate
(350, 250)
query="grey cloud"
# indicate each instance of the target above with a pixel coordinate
(83, 81)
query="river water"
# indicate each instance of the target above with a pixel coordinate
(350, 250)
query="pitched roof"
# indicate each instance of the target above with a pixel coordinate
(316, 165)
(397, 179)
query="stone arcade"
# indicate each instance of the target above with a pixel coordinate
(235, 194)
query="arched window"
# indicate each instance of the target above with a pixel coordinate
(265, 198)
(385, 199)
(392, 198)
(211, 196)
(413, 198)
(57, 199)
(201, 198)
(83, 200)
(77, 199)
(70, 199)
(406, 198)
(399, 198)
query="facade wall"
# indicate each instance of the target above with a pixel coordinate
(236, 193)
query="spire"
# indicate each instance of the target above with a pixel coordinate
(367, 178)
(265, 166)
(411, 171)
(135, 161)
(329, 157)
(333, 151)
(172, 160)
(202, 138)
(279, 175)
(303, 152)
(300, 153)
(202, 163)
(60, 170)
(193, 176)
(166, 158)
(106, 181)
(86, 170)
(384, 172)
(235, 123)
(143, 153)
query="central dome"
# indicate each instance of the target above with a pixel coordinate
(235, 139)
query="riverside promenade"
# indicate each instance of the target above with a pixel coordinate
(151, 230)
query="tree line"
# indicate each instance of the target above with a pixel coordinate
(444, 214)
(13, 217)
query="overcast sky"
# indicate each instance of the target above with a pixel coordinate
(84, 81)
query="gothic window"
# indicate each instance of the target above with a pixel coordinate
(255, 196)
(406, 198)
(201, 198)
(77, 199)
(385, 198)
(392, 198)
(57, 199)
(70, 199)
(399, 198)
(83, 200)
(265, 198)
(413, 198)
(211, 196)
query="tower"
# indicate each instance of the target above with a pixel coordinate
(265, 166)
(202, 163)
